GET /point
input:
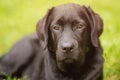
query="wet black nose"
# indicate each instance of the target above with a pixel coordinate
(67, 46)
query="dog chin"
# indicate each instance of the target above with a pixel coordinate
(69, 66)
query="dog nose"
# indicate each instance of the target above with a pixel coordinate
(67, 46)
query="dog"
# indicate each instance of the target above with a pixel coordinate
(65, 47)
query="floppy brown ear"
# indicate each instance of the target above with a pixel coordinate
(42, 27)
(96, 25)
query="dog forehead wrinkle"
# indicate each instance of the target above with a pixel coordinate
(67, 12)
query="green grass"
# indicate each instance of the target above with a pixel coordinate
(9, 77)
(19, 18)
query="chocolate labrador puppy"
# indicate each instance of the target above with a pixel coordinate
(66, 47)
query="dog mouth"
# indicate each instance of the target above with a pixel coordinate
(68, 61)
(69, 65)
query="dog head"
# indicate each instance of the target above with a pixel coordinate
(69, 31)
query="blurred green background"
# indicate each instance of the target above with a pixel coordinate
(19, 17)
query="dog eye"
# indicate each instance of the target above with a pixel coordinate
(57, 27)
(78, 26)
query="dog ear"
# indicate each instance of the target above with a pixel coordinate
(96, 25)
(42, 27)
